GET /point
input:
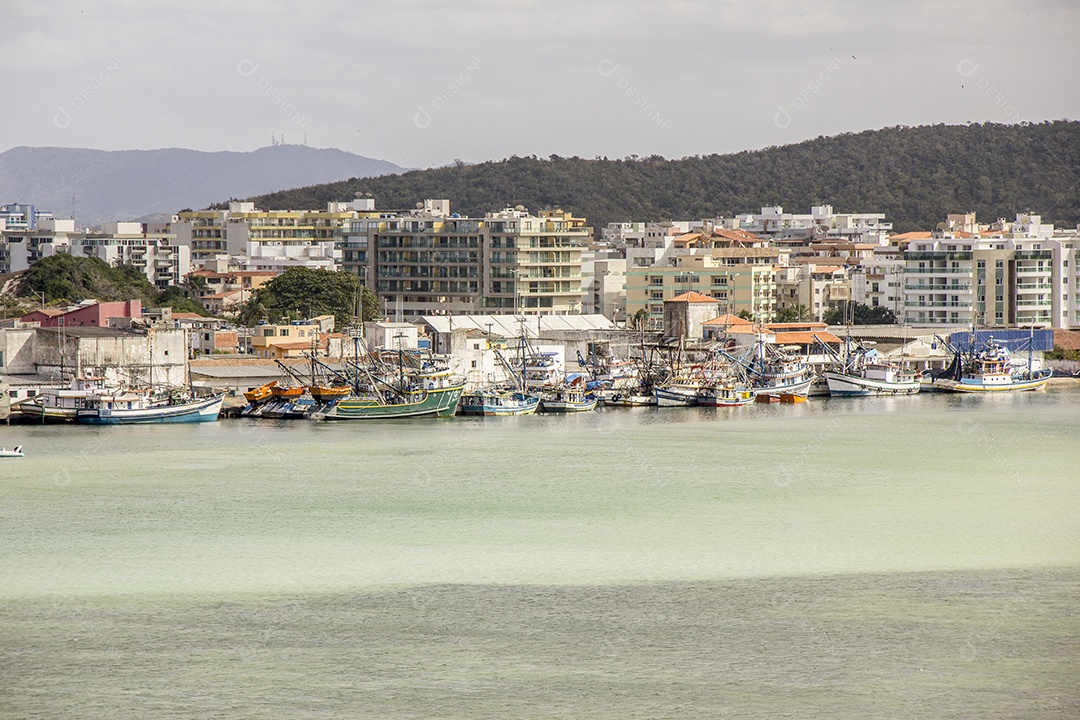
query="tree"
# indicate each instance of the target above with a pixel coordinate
(174, 297)
(252, 311)
(69, 278)
(306, 292)
(861, 315)
(745, 315)
(798, 313)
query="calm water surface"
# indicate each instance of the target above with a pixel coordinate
(902, 557)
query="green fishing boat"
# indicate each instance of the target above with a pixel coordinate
(430, 394)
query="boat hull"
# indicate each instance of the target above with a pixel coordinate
(774, 393)
(630, 400)
(206, 410)
(568, 406)
(439, 402)
(36, 413)
(846, 385)
(675, 397)
(973, 385)
(735, 398)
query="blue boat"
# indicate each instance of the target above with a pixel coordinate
(498, 403)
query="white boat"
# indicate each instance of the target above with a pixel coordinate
(497, 403)
(726, 396)
(873, 379)
(677, 394)
(138, 407)
(987, 370)
(567, 401)
(776, 375)
(60, 404)
(16, 452)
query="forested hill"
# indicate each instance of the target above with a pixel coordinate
(915, 175)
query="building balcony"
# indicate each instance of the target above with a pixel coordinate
(944, 287)
(938, 271)
(960, 304)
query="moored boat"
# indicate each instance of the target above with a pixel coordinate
(498, 403)
(57, 404)
(567, 400)
(15, 452)
(883, 380)
(987, 371)
(726, 396)
(428, 393)
(261, 393)
(138, 407)
(677, 394)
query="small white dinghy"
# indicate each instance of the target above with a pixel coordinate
(16, 452)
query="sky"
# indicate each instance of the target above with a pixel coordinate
(423, 83)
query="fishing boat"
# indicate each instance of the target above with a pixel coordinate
(567, 400)
(632, 397)
(726, 396)
(431, 392)
(858, 370)
(506, 398)
(776, 375)
(873, 378)
(15, 452)
(329, 393)
(682, 392)
(130, 407)
(492, 402)
(988, 369)
(261, 393)
(60, 404)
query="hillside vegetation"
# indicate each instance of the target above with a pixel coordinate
(915, 175)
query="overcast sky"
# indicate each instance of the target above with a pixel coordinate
(422, 83)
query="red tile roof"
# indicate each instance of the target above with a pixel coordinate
(805, 338)
(727, 320)
(694, 297)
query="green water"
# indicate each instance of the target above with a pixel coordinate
(901, 557)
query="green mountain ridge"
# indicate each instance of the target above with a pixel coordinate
(915, 175)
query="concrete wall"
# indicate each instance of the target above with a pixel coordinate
(17, 349)
(129, 358)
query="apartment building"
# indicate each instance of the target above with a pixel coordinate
(1005, 275)
(821, 224)
(270, 240)
(735, 268)
(21, 247)
(152, 249)
(818, 288)
(429, 261)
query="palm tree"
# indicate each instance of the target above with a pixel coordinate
(193, 284)
(251, 311)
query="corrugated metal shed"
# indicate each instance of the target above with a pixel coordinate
(1016, 340)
